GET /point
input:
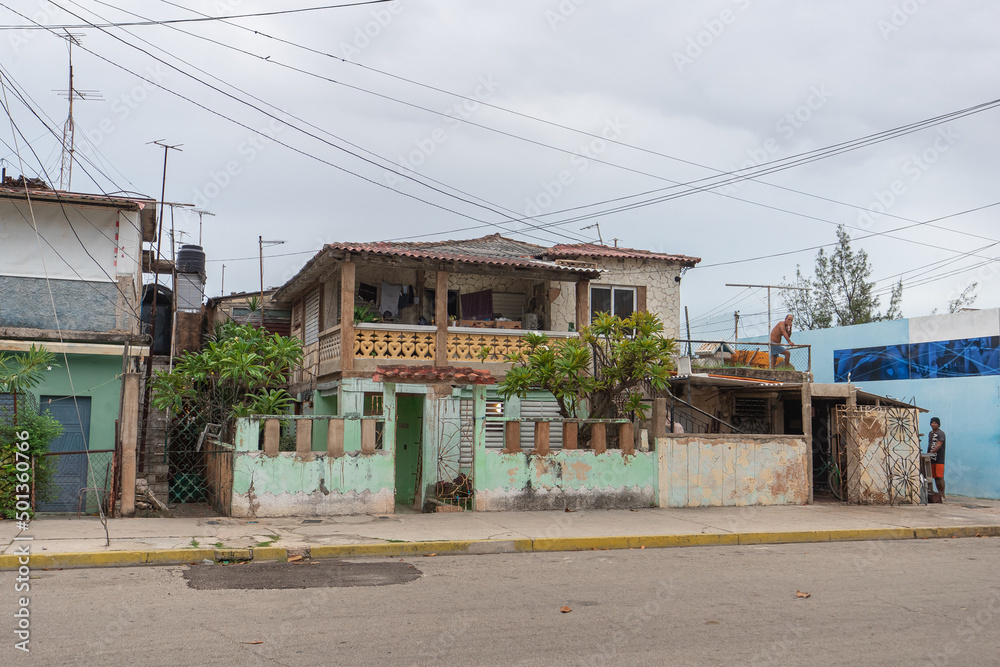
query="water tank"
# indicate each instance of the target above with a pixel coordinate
(191, 259)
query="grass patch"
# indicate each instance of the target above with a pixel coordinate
(194, 543)
(217, 545)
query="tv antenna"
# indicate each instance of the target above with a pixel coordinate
(596, 225)
(72, 93)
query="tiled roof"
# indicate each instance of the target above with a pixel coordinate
(8, 191)
(429, 374)
(595, 250)
(494, 249)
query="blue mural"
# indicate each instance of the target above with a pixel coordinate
(966, 357)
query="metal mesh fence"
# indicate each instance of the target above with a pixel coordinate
(79, 480)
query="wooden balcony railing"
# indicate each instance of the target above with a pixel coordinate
(416, 344)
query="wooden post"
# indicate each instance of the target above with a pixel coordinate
(347, 273)
(335, 438)
(367, 436)
(570, 435)
(807, 433)
(441, 318)
(272, 436)
(541, 439)
(303, 436)
(582, 304)
(626, 439)
(598, 438)
(511, 437)
(129, 440)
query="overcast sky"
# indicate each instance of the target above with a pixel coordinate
(686, 89)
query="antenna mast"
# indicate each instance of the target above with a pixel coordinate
(68, 146)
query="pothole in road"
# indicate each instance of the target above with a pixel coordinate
(304, 574)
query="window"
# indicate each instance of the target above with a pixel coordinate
(311, 334)
(620, 301)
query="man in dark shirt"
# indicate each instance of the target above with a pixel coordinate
(935, 446)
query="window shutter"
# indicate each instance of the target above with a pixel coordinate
(640, 298)
(311, 329)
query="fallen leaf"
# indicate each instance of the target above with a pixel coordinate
(251, 642)
(569, 510)
(429, 555)
(292, 559)
(800, 594)
(564, 609)
(643, 546)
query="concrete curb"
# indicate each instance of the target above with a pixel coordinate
(442, 547)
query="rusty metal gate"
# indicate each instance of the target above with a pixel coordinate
(882, 452)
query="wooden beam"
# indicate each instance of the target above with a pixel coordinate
(441, 318)
(368, 436)
(582, 304)
(347, 273)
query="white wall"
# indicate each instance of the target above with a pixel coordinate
(75, 242)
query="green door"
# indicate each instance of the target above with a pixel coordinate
(409, 432)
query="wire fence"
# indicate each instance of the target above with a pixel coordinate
(79, 480)
(719, 354)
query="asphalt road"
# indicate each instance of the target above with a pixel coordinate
(933, 602)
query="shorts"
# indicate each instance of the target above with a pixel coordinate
(937, 470)
(777, 349)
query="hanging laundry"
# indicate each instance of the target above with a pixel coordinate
(390, 299)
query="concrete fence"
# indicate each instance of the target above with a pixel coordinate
(271, 483)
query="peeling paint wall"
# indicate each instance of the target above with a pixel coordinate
(315, 485)
(732, 470)
(574, 479)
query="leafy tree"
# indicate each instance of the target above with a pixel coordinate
(20, 373)
(601, 372)
(841, 292)
(966, 298)
(42, 428)
(243, 371)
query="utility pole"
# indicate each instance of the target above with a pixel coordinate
(770, 362)
(69, 129)
(152, 309)
(260, 245)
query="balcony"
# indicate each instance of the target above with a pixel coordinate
(376, 344)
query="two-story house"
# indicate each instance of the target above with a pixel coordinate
(70, 281)
(436, 306)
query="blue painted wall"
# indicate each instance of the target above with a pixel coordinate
(969, 405)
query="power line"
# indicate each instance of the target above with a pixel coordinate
(38, 26)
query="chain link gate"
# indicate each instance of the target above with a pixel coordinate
(199, 469)
(882, 449)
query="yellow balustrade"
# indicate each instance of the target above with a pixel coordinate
(389, 344)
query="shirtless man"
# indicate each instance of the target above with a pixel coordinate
(783, 328)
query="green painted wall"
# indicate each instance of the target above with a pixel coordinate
(322, 405)
(567, 469)
(287, 473)
(96, 376)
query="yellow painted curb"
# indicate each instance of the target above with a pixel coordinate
(693, 540)
(957, 531)
(109, 558)
(270, 553)
(233, 554)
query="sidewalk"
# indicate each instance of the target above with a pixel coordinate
(70, 542)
